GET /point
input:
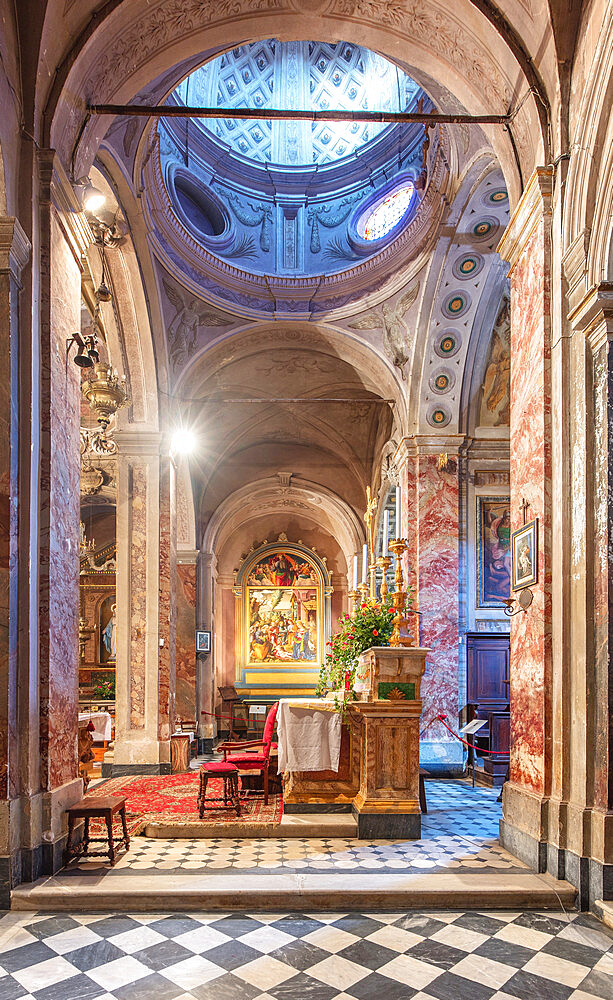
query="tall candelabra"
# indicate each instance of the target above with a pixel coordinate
(384, 563)
(353, 596)
(400, 634)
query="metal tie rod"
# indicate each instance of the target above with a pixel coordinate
(288, 114)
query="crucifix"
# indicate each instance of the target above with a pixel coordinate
(524, 508)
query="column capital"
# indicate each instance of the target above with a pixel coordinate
(593, 316)
(15, 246)
(534, 203)
(138, 442)
(430, 444)
(187, 557)
(56, 189)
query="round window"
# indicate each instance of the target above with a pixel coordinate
(387, 213)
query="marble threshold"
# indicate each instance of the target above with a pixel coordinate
(521, 890)
(292, 825)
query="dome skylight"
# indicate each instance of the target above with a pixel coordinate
(387, 213)
(298, 75)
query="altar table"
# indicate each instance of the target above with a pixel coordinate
(101, 722)
(309, 735)
(376, 775)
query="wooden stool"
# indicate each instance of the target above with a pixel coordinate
(229, 773)
(97, 807)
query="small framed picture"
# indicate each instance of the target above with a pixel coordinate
(525, 556)
(203, 642)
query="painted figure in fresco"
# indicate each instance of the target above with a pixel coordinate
(109, 635)
(282, 570)
(497, 381)
(497, 555)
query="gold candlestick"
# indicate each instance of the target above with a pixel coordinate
(353, 597)
(363, 588)
(372, 569)
(400, 635)
(384, 563)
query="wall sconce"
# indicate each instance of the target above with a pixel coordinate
(523, 602)
(446, 464)
(87, 350)
(92, 198)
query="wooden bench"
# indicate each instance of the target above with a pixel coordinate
(97, 807)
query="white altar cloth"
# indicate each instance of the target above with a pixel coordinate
(101, 722)
(309, 734)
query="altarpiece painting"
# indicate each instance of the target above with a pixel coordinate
(283, 610)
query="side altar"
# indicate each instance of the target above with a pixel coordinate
(378, 771)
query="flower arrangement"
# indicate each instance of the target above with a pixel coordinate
(105, 689)
(370, 624)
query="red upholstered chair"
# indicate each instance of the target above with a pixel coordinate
(253, 755)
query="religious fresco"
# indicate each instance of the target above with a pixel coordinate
(495, 394)
(493, 556)
(283, 610)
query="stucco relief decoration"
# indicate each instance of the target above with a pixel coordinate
(190, 315)
(495, 393)
(389, 319)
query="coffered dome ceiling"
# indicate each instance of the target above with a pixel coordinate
(300, 75)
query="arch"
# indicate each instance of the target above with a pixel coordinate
(116, 57)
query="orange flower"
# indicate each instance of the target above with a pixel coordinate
(374, 632)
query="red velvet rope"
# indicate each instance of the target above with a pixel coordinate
(494, 753)
(230, 718)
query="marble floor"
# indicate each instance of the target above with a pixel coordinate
(306, 956)
(459, 833)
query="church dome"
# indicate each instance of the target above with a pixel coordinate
(304, 75)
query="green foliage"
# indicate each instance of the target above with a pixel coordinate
(105, 689)
(369, 625)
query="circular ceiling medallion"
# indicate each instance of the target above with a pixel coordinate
(468, 266)
(498, 197)
(448, 344)
(456, 304)
(442, 381)
(438, 416)
(485, 228)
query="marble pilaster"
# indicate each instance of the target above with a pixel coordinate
(146, 604)
(205, 663)
(186, 635)
(526, 245)
(430, 523)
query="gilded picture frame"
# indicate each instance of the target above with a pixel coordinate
(525, 556)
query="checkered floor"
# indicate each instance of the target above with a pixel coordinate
(459, 833)
(427, 956)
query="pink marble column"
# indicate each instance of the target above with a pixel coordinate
(431, 527)
(14, 253)
(62, 243)
(146, 603)
(526, 245)
(185, 703)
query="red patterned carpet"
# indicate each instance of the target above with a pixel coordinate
(171, 799)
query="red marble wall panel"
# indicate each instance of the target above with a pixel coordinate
(432, 506)
(138, 592)
(185, 704)
(59, 510)
(531, 661)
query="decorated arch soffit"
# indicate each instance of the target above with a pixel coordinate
(291, 496)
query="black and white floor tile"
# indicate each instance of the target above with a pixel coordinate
(459, 832)
(303, 956)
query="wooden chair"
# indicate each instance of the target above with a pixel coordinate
(253, 755)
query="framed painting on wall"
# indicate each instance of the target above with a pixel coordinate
(108, 630)
(525, 555)
(493, 551)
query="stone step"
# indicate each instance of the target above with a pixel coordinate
(292, 825)
(293, 892)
